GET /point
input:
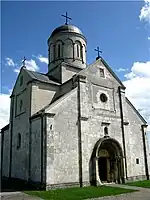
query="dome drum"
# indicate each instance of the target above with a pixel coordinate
(68, 44)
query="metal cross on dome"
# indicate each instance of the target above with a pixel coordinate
(98, 51)
(66, 16)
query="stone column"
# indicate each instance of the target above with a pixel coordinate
(97, 173)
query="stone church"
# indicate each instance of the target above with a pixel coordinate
(73, 126)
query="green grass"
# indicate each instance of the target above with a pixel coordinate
(79, 193)
(145, 184)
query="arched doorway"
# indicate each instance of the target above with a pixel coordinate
(106, 163)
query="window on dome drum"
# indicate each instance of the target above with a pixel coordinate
(58, 50)
(137, 160)
(78, 51)
(101, 72)
(19, 141)
(21, 105)
(21, 80)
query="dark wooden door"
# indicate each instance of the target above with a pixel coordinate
(102, 163)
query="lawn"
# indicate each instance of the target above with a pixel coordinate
(145, 184)
(79, 193)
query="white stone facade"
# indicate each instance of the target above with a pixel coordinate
(60, 121)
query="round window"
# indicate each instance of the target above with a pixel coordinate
(103, 97)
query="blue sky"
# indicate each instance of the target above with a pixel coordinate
(121, 29)
(114, 26)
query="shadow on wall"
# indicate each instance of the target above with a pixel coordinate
(92, 168)
(148, 135)
(12, 185)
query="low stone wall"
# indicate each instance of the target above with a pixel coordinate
(67, 185)
(136, 178)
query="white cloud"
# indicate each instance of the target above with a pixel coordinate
(148, 38)
(30, 65)
(17, 70)
(10, 62)
(145, 12)
(42, 59)
(121, 70)
(138, 88)
(139, 69)
(4, 109)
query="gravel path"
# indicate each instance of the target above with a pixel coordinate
(17, 196)
(128, 196)
(142, 194)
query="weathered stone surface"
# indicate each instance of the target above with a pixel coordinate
(53, 116)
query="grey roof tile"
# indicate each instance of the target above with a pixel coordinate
(41, 77)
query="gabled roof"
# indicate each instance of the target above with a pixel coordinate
(111, 71)
(5, 128)
(108, 68)
(53, 103)
(21, 69)
(137, 112)
(41, 77)
(36, 76)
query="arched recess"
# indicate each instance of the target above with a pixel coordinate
(51, 52)
(84, 53)
(108, 166)
(68, 48)
(58, 49)
(78, 50)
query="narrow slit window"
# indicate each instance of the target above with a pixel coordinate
(21, 105)
(137, 160)
(101, 72)
(51, 127)
(19, 141)
(106, 131)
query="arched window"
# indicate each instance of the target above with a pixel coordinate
(58, 50)
(78, 51)
(51, 53)
(68, 49)
(84, 53)
(19, 141)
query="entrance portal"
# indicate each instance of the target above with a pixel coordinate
(106, 164)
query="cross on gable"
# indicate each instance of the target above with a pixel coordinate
(66, 16)
(23, 62)
(98, 51)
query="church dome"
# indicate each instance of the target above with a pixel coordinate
(67, 44)
(66, 28)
